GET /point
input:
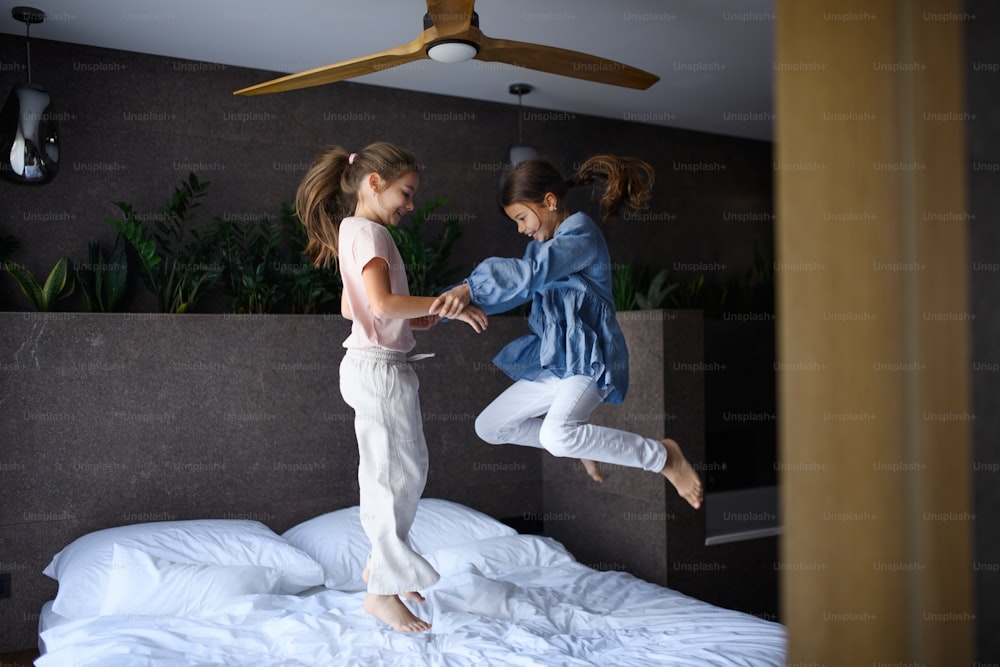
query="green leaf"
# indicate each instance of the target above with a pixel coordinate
(626, 286)
(55, 283)
(115, 278)
(26, 282)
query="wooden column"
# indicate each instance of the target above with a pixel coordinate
(873, 385)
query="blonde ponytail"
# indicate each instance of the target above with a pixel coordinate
(318, 204)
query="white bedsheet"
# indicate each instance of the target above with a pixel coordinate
(483, 613)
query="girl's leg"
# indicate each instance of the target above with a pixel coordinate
(391, 477)
(514, 417)
(565, 432)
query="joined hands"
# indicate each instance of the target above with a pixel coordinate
(456, 304)
(452, 302)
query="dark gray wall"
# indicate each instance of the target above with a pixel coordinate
(110, 419)
(133, 125)
(983, 140)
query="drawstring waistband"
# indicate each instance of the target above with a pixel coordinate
(385, 356)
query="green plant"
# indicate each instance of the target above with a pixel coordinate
(633, 289)
(657, 292)
(142, 243)
(755, 292)
(252, 268)
(697, 293)
(103, 280)
(307, 287)
(625, 281)
(763, 289)
(176, 263)
(427, 268)
(43, 296)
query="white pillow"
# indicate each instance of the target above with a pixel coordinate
(148, 586)
(83, 567)
(498, 555)
(444, 523)
(338, 542)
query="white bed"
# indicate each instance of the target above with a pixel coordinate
(231, 593)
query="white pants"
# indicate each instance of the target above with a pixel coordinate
(514, 417)
(382, 388)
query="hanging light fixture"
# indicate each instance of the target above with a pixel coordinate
(29, 141)
(452, 50)
(519, 152)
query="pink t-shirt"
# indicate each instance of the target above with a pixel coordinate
(360, 241)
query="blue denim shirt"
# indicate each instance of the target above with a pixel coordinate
(573, 323)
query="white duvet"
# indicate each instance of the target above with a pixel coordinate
(512, 600)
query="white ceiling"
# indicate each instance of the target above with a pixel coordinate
(713, 57)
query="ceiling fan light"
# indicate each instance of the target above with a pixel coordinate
(452, 51)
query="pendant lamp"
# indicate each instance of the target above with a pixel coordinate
(29, 140)
(519, 152)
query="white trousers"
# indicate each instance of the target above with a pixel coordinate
(382, 388)
(515, 417)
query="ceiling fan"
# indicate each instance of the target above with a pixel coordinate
(451, 34)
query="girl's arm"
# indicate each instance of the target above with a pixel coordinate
(387, 305)
(499, 283)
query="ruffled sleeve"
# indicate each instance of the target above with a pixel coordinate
(498, 284)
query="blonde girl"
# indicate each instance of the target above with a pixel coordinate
(346, 202)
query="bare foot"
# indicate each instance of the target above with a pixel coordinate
(413, 596)
(592, 469)
(391, 610)
(680, 473)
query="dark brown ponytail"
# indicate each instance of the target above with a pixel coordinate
(625, 182)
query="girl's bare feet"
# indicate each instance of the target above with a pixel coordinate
(413, 596)
(592, 469)
(391, 610)
(680, 473)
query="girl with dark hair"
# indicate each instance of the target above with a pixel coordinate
(575, 358)
(346, 201)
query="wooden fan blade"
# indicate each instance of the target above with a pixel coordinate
(450, 16)
(563, 62)
(347, 69)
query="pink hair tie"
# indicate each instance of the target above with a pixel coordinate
(350, 158)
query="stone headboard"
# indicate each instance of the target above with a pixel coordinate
(111, 419)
